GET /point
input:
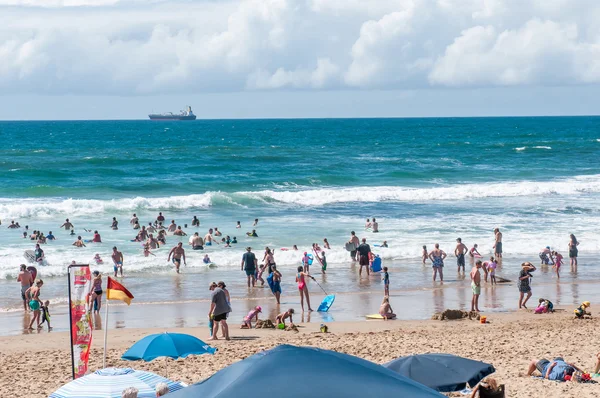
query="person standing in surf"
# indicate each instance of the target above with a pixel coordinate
(460, 252)
(437, 257)
(39, 254)
(573, 251)
(524, 283)
(249, 264)
(67, 225)
(303, 288)
(117, 258)
(178, 252)
(375, 225)
(498, 243)
(364, 250)
(26, 280)
(354, 240)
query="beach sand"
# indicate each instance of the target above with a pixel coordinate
(35, 365)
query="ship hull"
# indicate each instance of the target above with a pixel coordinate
(172, 117)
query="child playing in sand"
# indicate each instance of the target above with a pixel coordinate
(45, 314)
(97, 259)
(581, 311)
(491, 268)
(424, 254)
(386, 282)
(544, 306)
(557, 262)
(247, 322)
(386, 309)
(285, 315)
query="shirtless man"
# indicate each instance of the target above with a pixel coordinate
(13, 225)
(172, 226)
(460, 252)
(117, 258)
(152, 242)
(160, 218)
(208, 238)
(375, 225)
(195, 222)
(217, 232)
(354, 239)
(134, 220)
(79, 242)
(197, 242)
(178, 252)
(26, 280)
(368, 224)
(67, 225)
(179, 232)
(143, 234)
(150, 228)
(498, 243)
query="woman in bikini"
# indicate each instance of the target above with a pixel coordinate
(301, 280)
(96, 292)
(34, 302)
(573, 251)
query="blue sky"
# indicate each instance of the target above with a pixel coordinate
(112, 59)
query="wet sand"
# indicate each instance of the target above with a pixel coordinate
(509, 342)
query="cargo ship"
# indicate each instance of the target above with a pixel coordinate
(186, 114)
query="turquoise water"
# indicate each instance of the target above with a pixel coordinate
(426, 181)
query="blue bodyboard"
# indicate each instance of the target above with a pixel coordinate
(376, 266)
(326, 303)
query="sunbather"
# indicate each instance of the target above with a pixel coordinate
(553, 370)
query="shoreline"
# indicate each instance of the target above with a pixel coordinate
(509, 342)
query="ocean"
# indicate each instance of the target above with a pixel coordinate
(426, 181)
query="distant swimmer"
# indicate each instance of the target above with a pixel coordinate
(179, 232)
(217, 232)
(255, 222)
(208, 238)
(13, 225)
(234, 240)
(437, 257)
(136, 225)
(368, 223)
(143, 234)
(172, 226)
(134, 220)
(115, 224)
(497, 243)
(239, 225)
(384, 244)
(326, 244)
(178, 253)
(252, 234)
(424, 254)
(206, 259)
(98, 259)
(197, 242)
(39, 254)
(195, 222)
(150, 228)
(460, 252)
(117, 258)
(67, 225)
(79, 242)
(474, 252)
(160, 218)
(152, 242)
(375, 225)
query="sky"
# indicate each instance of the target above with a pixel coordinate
(123, 59)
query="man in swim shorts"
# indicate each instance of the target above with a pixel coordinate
(375, 225)
(208, 238)
(160, 219)
(354, 240)
(117, 258)
(249, 264)
(67, 225)
(475, 286)
(498, 242)
(26, 280)
(197, 243)
(364, 250)
(178, 252)
(460, 252)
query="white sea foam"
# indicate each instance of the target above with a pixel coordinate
(522, 148)
(542, 147)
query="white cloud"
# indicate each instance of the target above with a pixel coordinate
(134, 47)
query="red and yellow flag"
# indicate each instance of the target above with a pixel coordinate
(116, 291)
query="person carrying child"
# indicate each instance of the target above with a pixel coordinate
(247, 322)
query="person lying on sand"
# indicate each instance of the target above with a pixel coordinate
(556, 369)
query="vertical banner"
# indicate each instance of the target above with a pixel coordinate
(80, 282)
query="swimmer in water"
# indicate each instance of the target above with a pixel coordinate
(206, 259)
(255, 222)
(239, 225)
(473, 252)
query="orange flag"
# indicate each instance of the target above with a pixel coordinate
(116, 291)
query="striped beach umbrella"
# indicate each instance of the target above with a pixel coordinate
(111, 382)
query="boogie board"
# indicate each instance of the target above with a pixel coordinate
(310, 259)
(376, 266)
(350, 246)
(376, 316)
(29, 255)
(33, 271)
(326, 303)
(318, 258)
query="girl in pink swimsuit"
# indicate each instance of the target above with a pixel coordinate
(303, 288)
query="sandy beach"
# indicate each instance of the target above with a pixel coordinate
(36, 365)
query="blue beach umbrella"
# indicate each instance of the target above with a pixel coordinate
(442, 372)
(172, 345)
(314, 372)
(111, 382)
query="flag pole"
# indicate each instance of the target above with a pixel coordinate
(105, 335)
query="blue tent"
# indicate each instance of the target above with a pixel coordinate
(442, 372)
(301, 372)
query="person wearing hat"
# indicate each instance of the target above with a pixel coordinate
(524, 287)
(247, 322)
(581, 311)
(249, 264)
